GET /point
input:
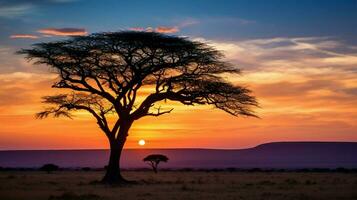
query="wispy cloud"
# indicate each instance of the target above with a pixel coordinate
(137, 29)
(19, 87)
(19, 8)
(159, 29)
(63, 31)
(310, 77)
(289, 54)
(187, 22)
(10, 11)
(179, 24)
(50, 32)
(24, 36)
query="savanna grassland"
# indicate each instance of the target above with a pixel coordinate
(75, 185)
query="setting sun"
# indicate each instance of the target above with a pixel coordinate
(141, 142)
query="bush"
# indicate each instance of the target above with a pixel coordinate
(255, 170)
(86, 169)
(342, 170)
(49, 168)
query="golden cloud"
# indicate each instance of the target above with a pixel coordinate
(23, 36)
(63, 31)
(166, 29)
(159, 29)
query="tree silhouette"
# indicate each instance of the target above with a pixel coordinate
(154, 159)
(107, 71)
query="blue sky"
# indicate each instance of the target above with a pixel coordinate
(210, 19)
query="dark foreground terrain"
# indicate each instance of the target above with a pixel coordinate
(75, 185)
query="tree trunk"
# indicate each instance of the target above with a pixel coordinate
(113, 175)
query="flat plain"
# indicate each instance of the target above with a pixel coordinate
(80, 185)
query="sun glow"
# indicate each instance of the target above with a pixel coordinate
(141, 142)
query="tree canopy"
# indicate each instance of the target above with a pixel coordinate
(106, 70)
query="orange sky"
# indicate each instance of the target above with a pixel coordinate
(306, 89)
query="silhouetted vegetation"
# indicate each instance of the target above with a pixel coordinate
(106, 71)
(154, 160)
(74, 196)
(86, 169)
(49, 168)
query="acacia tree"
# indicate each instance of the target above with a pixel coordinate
(154, 159)
(105, 73)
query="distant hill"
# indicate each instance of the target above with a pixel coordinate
(270, 155)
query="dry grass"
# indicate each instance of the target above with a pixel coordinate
(75, 185)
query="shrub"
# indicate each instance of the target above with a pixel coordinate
(49, 168)
(86, 169)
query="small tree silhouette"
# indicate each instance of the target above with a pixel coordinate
(154, 160)
(49, 168)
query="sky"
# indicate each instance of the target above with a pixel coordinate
(298, 56)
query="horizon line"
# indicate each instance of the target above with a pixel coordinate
(179, 148)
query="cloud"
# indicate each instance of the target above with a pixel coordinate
(15, 10)
(137, 29)
(11, 62)
(159, 29)
(310, 77)
(63, 31)
(19, 88)
(167, 29)
(188, 22)
(313, 88)
(24, 36)
(18, 8)
(289, 54)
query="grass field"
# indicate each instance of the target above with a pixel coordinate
(35, 185)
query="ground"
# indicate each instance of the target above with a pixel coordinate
(75, 185)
